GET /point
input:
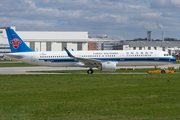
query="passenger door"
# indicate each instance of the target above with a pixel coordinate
(33, 57)
(156, 56)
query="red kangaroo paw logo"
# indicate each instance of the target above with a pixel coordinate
(15, 43)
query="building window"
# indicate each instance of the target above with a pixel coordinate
(48, 46)
(163, 48)
(32, 45)
(134, 48)
(79, 46)
(140, 48)
(4, 47)
(64, 44)
(155, 48)
(149, 48)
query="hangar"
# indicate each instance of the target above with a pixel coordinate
(47, 40)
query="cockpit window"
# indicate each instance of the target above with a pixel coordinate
(166, 54)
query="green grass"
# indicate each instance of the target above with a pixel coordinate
(177, 62)
(82, 97)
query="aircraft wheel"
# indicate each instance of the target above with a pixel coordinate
(90, 71)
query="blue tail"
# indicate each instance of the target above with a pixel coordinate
(16, 43)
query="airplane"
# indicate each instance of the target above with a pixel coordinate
(103, 60)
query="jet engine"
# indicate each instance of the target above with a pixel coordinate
(107, 66)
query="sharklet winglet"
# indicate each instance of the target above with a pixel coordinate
(67, 51)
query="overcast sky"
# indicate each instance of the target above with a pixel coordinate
(122, 19)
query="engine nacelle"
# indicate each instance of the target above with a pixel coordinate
(107, 66)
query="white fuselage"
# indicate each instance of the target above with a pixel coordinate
(121, 58)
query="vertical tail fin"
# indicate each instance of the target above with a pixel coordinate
(16, 43)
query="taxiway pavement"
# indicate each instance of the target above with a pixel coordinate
(24, 70)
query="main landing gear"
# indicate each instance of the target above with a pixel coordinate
(90, 71)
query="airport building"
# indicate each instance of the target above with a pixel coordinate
(103, 43)
(92, 45)
(110, 43)
(47, 40)
(172, 47)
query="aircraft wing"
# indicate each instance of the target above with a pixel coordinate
(86, 61)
